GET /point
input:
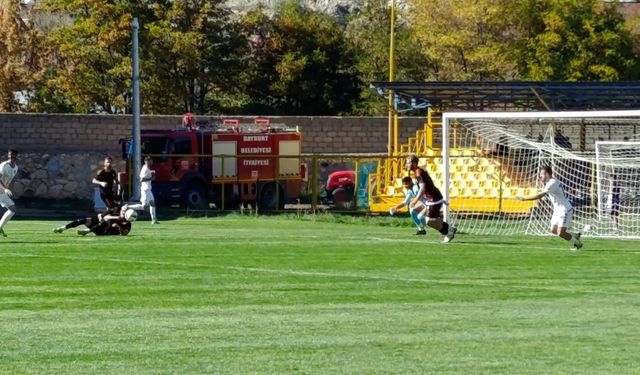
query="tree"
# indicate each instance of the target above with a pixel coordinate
(18, 62)
(300, 65)
(368, 37)
(91, 67)
(463, 39)
(574, 40)
(193, 59)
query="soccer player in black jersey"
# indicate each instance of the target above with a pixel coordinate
(106, 178)
(431, 198)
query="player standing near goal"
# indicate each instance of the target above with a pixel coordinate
(562, 208)
(146, 195)
(429, 195)
(411, 191)
(8, 171)
(106, 178)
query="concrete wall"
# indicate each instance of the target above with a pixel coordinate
(51, 134)
(60, 154)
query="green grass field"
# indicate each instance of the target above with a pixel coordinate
(287, 295)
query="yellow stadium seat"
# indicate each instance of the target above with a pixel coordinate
(453, 192)
(492, 193)
(390, 190)
(458, 169)
(467, 193)
(423, 161)
(508, 193)
(531, 191)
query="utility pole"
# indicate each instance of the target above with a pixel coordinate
(135, 101)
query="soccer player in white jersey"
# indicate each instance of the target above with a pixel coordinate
(8, 170)
(411, 191)
(562, 208)
(146, 195)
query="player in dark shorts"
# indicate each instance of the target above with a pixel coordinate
(106, 178)
(431, 198)
(100, 225)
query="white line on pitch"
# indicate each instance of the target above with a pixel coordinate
(328, 274)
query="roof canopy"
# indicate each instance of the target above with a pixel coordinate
(495, 96)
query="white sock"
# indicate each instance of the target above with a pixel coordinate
(152, 211)
(136, 207)
(6, 217)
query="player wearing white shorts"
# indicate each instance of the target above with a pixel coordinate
(562, 208)
(411, 191)
(146, 195)
(8, 170)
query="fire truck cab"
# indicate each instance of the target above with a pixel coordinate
(229, 163)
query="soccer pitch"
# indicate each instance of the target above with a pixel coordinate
(238, 294)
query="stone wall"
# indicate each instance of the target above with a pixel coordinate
(60, 154)
(58, 175)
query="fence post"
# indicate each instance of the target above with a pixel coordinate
(314, 184)
(222, 183)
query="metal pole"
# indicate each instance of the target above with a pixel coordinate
(135, 132)
(445, 165)
(390, 135)
(314, 184)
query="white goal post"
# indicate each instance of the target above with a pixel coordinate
(618, 177)
(491, 158)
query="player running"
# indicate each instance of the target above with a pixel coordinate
(8, 170)
(411, 191)
(146, 195)
(429, 196)
(562, 208)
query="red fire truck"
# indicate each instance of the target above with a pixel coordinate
(231, 162)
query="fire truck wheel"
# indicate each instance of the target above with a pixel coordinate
(342, 198)
(195, 196)
(268, 197)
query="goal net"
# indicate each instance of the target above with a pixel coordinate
(618, 174)
(490, 159)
